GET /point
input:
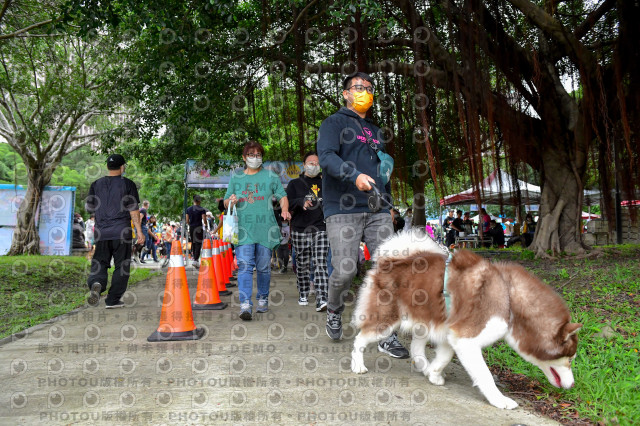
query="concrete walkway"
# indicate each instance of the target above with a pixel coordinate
(95, 366)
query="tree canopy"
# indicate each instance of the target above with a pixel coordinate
(461, 86)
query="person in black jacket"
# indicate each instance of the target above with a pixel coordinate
(348, 145)
(308, 231)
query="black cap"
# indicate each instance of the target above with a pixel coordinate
(114, 161)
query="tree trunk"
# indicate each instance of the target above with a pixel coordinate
(25, 235)
(558, 227)
(419, 200)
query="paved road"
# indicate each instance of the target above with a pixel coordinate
(95, 366)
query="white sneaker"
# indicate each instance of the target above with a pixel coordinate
(303, 301)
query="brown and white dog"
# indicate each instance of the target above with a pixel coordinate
(489, 301)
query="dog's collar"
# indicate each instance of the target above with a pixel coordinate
(445, 292)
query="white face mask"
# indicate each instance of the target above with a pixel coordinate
(254, 163)
(312, 171)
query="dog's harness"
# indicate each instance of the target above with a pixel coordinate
(445, 292)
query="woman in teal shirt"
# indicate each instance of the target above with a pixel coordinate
(258, 233)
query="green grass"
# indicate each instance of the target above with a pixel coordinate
(34, 289)
(599, 292)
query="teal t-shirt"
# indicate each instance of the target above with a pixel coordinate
(256, 220)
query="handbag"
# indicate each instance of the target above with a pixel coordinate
(386, 161)
(230, 226)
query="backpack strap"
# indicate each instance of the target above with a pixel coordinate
(370, 142)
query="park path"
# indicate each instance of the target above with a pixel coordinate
(96, 366)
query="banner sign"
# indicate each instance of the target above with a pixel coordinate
(200, 177)
(54, 218)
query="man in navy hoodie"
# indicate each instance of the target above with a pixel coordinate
(350, 165)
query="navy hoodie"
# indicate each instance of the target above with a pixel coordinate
(345, 154)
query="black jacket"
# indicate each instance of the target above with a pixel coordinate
(312, 219)
(344, 154)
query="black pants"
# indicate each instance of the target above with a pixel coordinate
(120, 251)
(196, 235)
(282, 254)
(451, 237)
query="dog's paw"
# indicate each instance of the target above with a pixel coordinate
(421, 365)
(504, 403)
(358, 368)
(436, 378)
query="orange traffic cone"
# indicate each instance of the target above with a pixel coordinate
(367, 255)
(232, 267)
(207, 297)
(176, 318)
(219, 269)
(227, 263)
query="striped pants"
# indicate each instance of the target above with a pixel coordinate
(311, 245)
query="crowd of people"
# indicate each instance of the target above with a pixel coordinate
(337, 212)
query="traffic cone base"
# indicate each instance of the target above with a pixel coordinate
(161, 336)
(210, 307)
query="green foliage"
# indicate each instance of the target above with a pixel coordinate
(37, 288)
(603, 292)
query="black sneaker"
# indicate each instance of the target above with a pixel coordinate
(392, 347)
(334, 325)
(118, 304)
(94, 294)
(321, 305)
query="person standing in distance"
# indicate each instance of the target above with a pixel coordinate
(114, 200)
(350, 166)
(196, 216)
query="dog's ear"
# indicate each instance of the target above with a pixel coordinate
(463, 259)
(570, 329)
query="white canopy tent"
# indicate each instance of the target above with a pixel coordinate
(497, 188)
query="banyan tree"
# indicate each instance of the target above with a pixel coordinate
(550, 84)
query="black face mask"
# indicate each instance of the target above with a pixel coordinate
(377, 201)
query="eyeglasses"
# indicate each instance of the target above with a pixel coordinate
(361, 88)
(254, 156)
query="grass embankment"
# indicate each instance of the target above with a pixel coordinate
(34, 289)
(604, 295)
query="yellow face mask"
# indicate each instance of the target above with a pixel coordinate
(362, 101)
